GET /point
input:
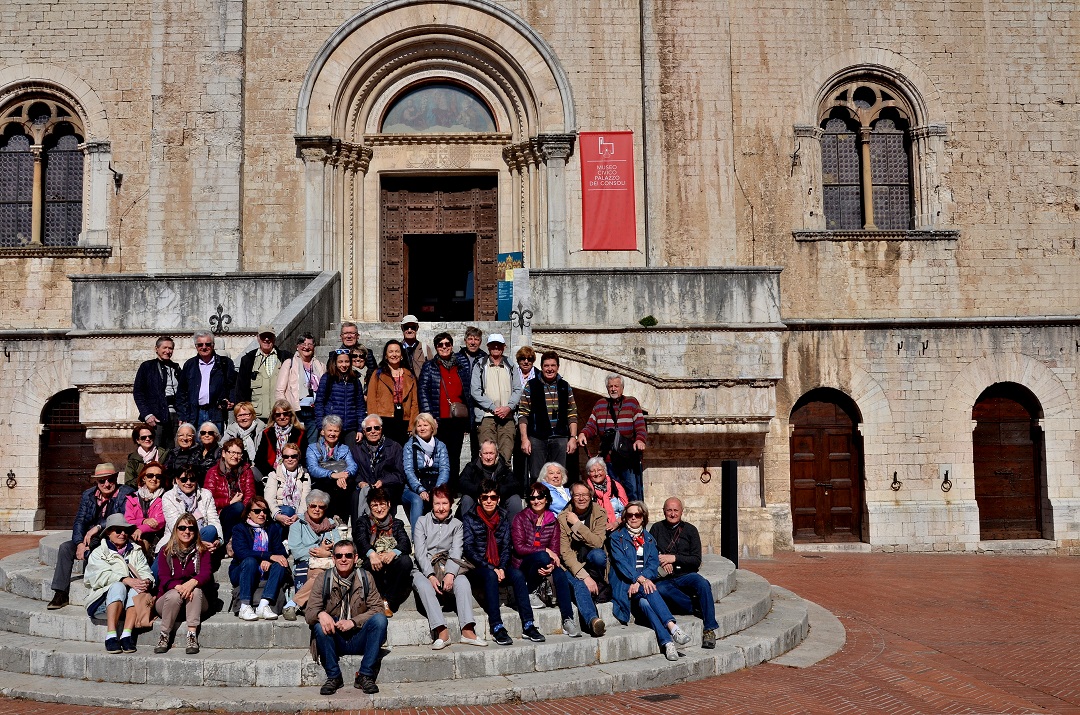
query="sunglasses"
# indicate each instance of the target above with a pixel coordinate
(257, 511)
(146, 437)
(267, 339)
(282, 414)
(317, 506)
(537, 497)
(411, 327)
(204, 345)
(185, 480)
(373, 428)
(355, 358)
(634, 515)
(290, 456)
(489, 497)
(152, 475)
(525, 359)
(106, 480)
(349, 555)
(342, 351)
(185, 527)
(444, 344)
(206, 432)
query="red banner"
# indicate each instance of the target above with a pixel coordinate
(608, 215)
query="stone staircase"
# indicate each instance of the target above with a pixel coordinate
(59, 655)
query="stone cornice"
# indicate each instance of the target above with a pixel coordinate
(923, 234)
(77, 252)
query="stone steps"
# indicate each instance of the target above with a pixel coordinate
(786, 624)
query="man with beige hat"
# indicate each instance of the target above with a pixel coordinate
(96, 505)
(258, 374)
(415, 352)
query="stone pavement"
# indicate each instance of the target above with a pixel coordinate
(926, 633)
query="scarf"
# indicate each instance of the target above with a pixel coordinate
(320, 527)
(185, 557)
(148, 457)
(382, 533)
(448, 363)
(545, 517)
(188, 501)
(231, 477)
(260, 539)
(148, 495)
(427, 449)
(248, 436)
(637, 538)
(281, 438)
(345, 587)
(492, 553)
(290, 487)
(375, 453)
(122, 551)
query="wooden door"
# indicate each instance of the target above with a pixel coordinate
(826, 473)
(434, 205)
(1007, 455)
(67, 460)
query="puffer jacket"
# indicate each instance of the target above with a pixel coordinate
(431, 400)
(218, 485)
(344, 398)
(412, 455)
(474, 533)
(524, 534)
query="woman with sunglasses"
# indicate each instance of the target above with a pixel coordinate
(258, 552)
(232, 483)
(340, 393)
(444, 393)
(487, 544)
(283, 428)
(311, 540)
(634, 562)
(184, 570)
(535, 535)
(187, 497)
(115, 573)
(208, 451)
(143, 508)
(145, 452)
(288, 486)
(392, 393)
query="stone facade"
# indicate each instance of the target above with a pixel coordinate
(243, 136)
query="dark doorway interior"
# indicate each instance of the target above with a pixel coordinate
(439, 275)
(1008, 455)
(67, 458)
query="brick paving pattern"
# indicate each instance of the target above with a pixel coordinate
(925, 634)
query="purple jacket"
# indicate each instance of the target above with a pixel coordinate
(527, 539)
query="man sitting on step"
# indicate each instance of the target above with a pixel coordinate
(347, 618)
(680, 558)
(96, 505)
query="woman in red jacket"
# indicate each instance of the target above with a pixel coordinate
(232, 484)
(534, 534)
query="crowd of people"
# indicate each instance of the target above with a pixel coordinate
(301, 489)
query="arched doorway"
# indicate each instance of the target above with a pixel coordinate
(67, 459)
(826, 468)
(1007, 452)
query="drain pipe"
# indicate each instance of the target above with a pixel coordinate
(644, 130)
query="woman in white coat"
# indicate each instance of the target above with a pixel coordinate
(187, 496)
(115, 573)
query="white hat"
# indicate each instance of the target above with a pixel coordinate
(496, 338)
(409, 319)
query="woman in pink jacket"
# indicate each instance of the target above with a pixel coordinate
(143, 508)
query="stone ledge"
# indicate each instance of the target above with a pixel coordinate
(56, 251)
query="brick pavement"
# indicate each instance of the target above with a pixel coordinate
(926, 633)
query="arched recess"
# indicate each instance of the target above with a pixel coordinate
(826, 468)
(73, 104)
(65, 459)
(390, 48)
(1060, 441)
(1007, 458)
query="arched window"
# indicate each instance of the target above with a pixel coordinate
(41, 174)
(438, 108)
(866, 158)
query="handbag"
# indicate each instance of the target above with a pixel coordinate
(334, 465)
(458, 410)
(143, 603)
(438, 563)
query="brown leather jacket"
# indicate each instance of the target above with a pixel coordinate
(380, 396)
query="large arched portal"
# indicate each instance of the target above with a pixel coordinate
(415, 115)
(1007, 451)
(826, 468)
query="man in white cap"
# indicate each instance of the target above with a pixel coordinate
(496, 390)
(257, 378)
(416, 353)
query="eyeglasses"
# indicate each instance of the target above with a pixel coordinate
(184, 527)
(206, 432)
(234, 453)
(282, 414)
(373, 428)
(537, 497)
(257, 511)
(185, 480)
(152, 475)
(349, 333)
(634, 515)
(267, 339)
(204, 345)
(290, 456)
(489, 497)
(357, 357)
(349, 555)
(444, 344)
(321, 507)
(145, 437)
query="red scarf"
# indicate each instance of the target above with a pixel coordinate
(492, 554)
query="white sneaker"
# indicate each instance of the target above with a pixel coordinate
(266, 613)
(670, 652)
(247, 613)
(679, 636)
(535, 602)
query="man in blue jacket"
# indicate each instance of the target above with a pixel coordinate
(206, 382)
(155, 392)
(96, 504)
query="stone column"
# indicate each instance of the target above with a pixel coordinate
(806, 172)
(927, 154)
(96, 196)
(37, 201)
(315, 151)
(867, 181)
(555, 149)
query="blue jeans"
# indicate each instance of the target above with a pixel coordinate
(230, 517)
(656, 612)
(251, 574)
(208, 534)
(117, 593)
(531, 564)
(287, 510)
(489, 586)
(680, 591)
(596, 559)
(364, 641)
(630, 479)
(414, 506)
